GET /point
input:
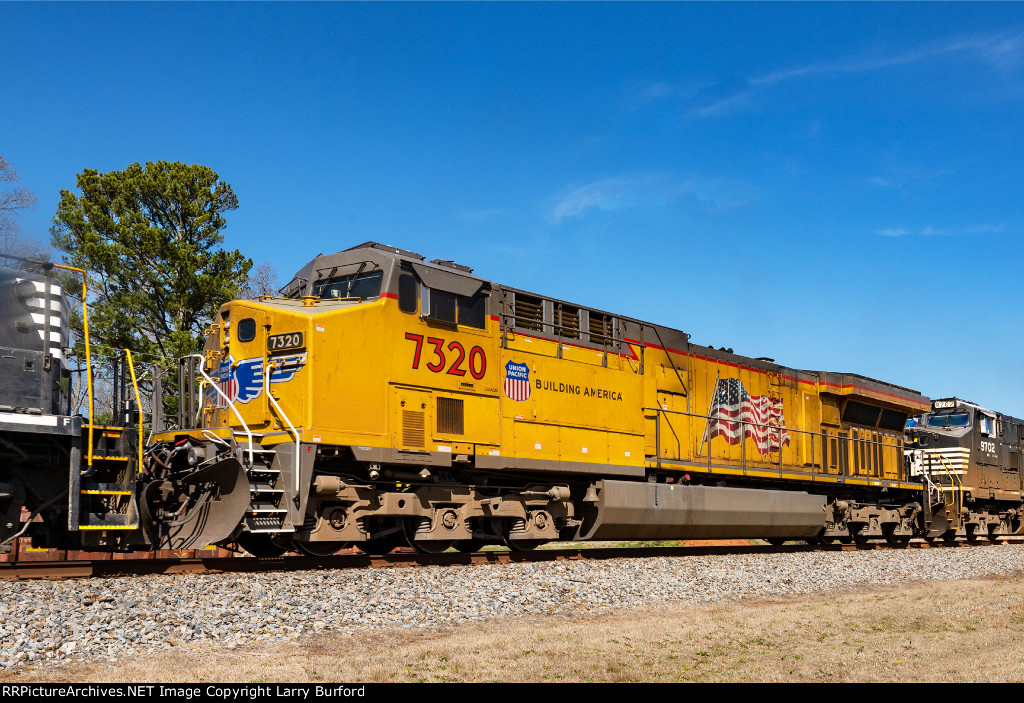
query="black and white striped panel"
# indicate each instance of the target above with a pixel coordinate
(30, 311)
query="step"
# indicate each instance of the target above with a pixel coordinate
(261, 469)
(262, 487)
(108, 521)
(108, 457)
(107, 489)
(262, 507)
(264, 523)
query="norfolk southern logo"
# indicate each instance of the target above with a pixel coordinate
(244, 382)
(517, 381)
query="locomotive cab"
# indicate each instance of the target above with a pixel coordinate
(970, 457)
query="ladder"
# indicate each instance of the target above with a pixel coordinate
(267, 512)
(103, 483)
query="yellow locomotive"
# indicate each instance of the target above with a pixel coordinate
(386, 400)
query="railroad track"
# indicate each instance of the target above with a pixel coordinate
(107, 568)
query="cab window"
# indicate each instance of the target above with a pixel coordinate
(987, 425)
(407, 294)
(949, 420)
(246, 330)
(443, 306)
(363, 286)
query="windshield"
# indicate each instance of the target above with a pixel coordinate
(949, 420)
(362, 286)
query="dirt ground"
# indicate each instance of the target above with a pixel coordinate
(949, 631)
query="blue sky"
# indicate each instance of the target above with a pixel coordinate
(836, 186)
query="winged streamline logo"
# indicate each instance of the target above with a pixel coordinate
(243, 382)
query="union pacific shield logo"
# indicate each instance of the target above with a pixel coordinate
(517, 381)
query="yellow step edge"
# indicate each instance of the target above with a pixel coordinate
(102, 527)
(106, 493)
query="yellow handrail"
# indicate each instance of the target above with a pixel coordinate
(88, 359)
(138, 401)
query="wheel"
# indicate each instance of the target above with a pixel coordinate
(380, 545)
(827, 540)
(949, 537)
(524, 545)
(993, 532)
(775, 541)
(431, 546)
(889, 533)
(423, 546)
(506, 528)
(859, 537)
(321, 549)
(846, 539)
(468, 545)
(972, 533)
(260, 545)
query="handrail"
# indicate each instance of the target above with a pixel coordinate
(668, 355)
(298, 437)
(609, 339)
(956, 492)
(223, 395)
(88, 358)
(199, 411)
(779, 428)
(138, 401)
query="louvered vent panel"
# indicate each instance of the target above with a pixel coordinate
(569, 322)
(449, 416)
(529, 312)
(413, 426)
(600, 329)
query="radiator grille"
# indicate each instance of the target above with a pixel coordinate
(412, 428)
(449, 416)
(568, 319)
(529, 312)
(600, 329)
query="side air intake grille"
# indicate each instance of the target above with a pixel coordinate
(412, 428)
(449, 416)
(568, 321)
(600, 328)
(529, 312)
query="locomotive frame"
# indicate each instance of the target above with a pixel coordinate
(389, 401)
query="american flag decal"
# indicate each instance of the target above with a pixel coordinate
(732, 406)
(517, 381)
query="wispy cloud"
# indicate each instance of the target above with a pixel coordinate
(1002, 52)
(649, 190)
(930, 231)
(900, 175)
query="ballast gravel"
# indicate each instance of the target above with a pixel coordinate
(53, 621)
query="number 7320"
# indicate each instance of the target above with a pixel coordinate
(475, 362)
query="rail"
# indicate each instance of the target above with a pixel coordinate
(511, 320)
(231, 404)
(776, 445)
(138, 402)
(88, 355)
(280, 411)
(956, 487)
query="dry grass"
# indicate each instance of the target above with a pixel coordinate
(954, 631)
